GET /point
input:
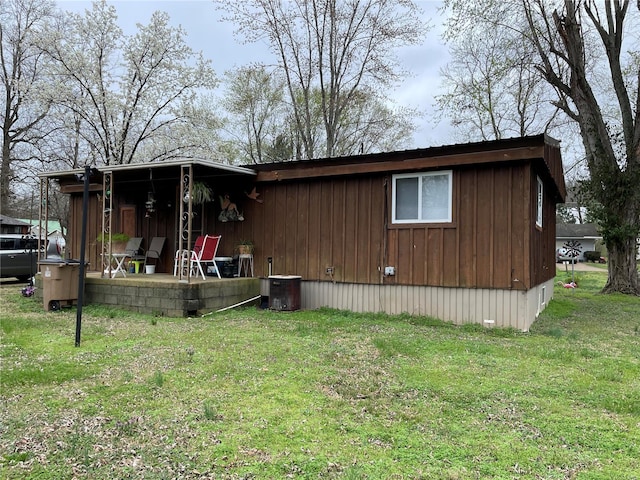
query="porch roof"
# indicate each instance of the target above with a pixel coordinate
(134, 171)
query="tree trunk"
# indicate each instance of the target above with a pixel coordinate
(623, 269)
(5, 175)
(614, 174)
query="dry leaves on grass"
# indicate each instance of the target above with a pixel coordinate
(104, 444)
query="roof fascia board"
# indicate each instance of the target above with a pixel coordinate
(491, 156)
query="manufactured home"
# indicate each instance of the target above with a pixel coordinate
(465, 233)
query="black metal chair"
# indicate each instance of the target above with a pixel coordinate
(155, 249)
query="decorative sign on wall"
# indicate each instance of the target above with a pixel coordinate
(254, 195)
(229, 210)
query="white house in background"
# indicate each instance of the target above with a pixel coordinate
(54, 231)
(582, 237)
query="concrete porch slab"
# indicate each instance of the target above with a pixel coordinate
(163, 295)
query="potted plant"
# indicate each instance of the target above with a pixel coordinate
(244, 247)
(201, 193)
(118, 241)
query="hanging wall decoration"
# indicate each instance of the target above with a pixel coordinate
(150, 204)
(229, 212)
(254, 195)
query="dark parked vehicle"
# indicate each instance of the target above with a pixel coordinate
(19, 255)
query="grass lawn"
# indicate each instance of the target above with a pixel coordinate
(321, 394)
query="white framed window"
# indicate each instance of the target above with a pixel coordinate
(422, 197)
(540, 197)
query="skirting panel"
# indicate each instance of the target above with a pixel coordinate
(490, 307)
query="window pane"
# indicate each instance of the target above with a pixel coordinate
(435, 197)
(540, 202)
(407, 198)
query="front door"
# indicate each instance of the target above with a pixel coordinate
(128, 220)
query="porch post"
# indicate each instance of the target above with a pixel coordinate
(186, 214)
(107, 205)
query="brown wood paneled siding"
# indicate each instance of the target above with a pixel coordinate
(339, 222)
(94, 226)
(485, 246)
(306, 227)
(162, 224)
(543, 240)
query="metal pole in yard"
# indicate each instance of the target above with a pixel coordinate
(83, 241)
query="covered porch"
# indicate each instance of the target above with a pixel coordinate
(173, 201)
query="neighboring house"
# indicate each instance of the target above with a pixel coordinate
(465, 233)
(580, 237)
(13, 225)
(52, 228)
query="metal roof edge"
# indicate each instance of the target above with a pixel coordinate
(530, 141)
(168, 163)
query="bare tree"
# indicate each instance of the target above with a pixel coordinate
(612, 143)
(255, 103)
(261, 119)
(569, 39)
(492, 88)
(337, 48)
(22, 78)
(371, 124)
(132, 94)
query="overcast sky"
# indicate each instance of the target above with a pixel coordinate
(206, 33)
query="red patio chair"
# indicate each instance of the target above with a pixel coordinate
(184, 257)
(206, 255)
(199, 242)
